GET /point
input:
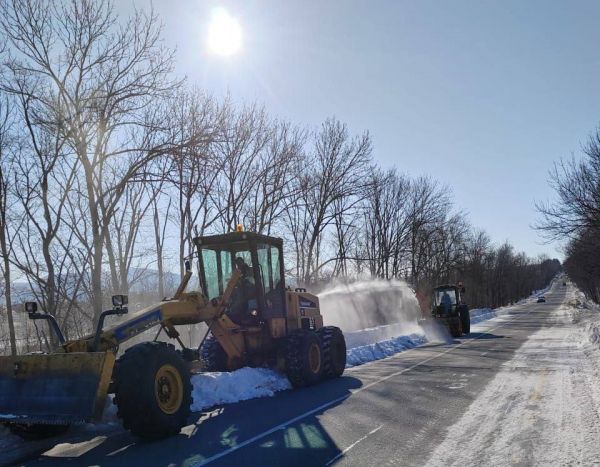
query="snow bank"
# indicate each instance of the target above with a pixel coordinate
(366, 345)
(378, 350)
(482, 314)
(379, 334)
(585, 312)
(212, 389)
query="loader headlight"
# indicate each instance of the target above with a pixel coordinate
(119, 301)
(30, 307)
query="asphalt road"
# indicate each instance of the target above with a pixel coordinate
(389, 412)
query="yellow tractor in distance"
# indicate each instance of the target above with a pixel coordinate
(253, 319)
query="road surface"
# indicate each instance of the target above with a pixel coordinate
(513, 392)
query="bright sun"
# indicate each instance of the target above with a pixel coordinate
(224, 33)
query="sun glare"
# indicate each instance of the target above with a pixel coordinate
(224, 33)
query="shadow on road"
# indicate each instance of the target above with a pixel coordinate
(485, 335)
(303, 441)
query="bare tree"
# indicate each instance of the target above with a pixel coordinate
(5, 167)
(44, 173)
(575, 215)
(122, 245)
(387, 224)
(159, 221)
(243, 136)
(194, 171)
(577, 185)
(99, 79)
(273, 189)
(336, 172)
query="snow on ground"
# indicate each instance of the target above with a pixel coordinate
(383, 349)
(482, 314)
(365, 345)
(212, 389)
(542, 406)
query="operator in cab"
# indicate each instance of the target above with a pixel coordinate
(244, 304)
(446, 302)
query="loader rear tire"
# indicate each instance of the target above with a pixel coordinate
(36, 430)
(333, 345)
(213, 355)
(303, 358)
(465, 319)
(153, 391)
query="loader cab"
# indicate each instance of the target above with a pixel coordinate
(446, 298)
(260, 294)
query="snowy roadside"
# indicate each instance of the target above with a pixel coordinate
(366, 345)
(541, 408)
(363, 346)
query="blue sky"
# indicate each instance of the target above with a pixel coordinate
(481, 95)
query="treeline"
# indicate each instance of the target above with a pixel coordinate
(110, 165)
(575, 215)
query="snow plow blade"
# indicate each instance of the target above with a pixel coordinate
(62, 388)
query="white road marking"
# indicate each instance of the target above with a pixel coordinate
(354, 444)
(345, 396)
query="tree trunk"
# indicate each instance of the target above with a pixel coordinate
(8, 299)
(6, 265)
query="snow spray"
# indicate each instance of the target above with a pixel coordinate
(381, 308)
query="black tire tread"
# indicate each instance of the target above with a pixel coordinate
(328, 336)
(465, 318)
(213, 355)
(134, 390)
(296, 358)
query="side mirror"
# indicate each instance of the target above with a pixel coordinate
(30, 307)
(120, 301)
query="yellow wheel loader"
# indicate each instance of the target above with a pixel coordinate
(253, 319)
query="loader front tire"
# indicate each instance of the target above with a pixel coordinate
(303, 358)
(153, 391)
(333, 345)
(213, 355)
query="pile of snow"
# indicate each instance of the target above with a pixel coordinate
(110, 410)
(482, 314)
(380, 333)
(212, 389)
(584, 311)
(387, 348)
